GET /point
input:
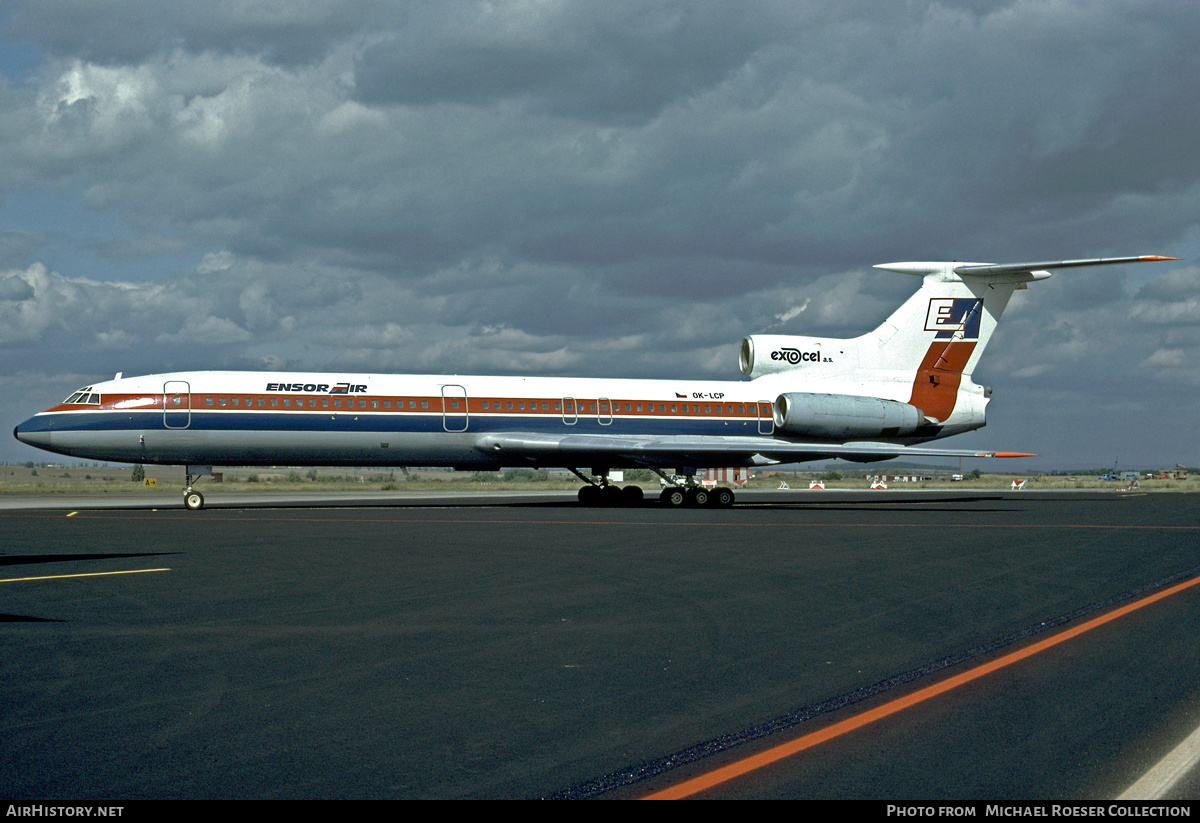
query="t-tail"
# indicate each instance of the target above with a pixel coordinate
(916, 366)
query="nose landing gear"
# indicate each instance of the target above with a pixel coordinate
(193, 500)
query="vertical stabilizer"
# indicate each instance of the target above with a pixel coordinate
(941, 331)
(938, 335)
(924, 353)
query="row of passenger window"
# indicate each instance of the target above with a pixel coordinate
(311, 402)
(572, 406)
(580, 406)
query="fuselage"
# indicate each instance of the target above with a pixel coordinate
(285, 418)
(252, 418)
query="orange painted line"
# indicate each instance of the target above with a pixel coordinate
(808, 741)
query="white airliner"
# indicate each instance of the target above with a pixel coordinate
(873, 397)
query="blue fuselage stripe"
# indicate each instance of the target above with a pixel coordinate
(303, 421)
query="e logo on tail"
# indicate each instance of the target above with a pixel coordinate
(948, 315)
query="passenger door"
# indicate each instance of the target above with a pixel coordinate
(177, 404)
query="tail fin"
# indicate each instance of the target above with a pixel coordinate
(944, 327)
(946, 324)
(925, 348)
(938, 335)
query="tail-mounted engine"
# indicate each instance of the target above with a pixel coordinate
(844, 415)
(773, 353)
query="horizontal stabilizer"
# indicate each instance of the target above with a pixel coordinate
(976, 269)
(1012, 271)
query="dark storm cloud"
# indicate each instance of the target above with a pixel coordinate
(132, 31)
(612, 62)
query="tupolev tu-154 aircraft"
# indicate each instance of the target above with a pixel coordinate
(874, 397)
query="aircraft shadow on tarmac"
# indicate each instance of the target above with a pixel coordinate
(20, 559)
(932, 504)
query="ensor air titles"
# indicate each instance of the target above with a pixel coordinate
(318, 388)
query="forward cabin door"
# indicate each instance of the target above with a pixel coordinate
(454, 408)
(177, 404)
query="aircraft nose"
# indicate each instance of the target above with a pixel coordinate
(29, 432)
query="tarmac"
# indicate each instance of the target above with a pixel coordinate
(513, 646)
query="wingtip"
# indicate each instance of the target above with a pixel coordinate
(1008, 454)
(1156, 257)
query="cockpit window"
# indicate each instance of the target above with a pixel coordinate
(85, 396)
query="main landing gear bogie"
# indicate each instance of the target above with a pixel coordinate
(603, 493)
(696, 496)
(592, 495)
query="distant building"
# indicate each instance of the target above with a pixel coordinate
(736, 476)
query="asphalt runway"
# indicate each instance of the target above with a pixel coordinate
(542, 649)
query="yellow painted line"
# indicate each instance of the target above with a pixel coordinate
(72, 514)
(785, 750)
(89, 574)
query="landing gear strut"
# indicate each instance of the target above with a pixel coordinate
(192, 499)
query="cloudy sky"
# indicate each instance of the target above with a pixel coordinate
(615, 188)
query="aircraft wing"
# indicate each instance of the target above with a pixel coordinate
(599, 449)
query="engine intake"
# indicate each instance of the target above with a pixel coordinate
(844, 415)
(775, 353)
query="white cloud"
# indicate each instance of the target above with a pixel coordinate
(1185, 311)
(200, 330)
(112, 105)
